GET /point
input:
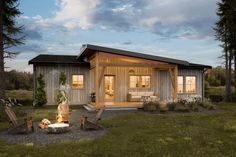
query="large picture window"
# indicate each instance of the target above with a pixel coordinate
(190, 84)
(180, 84)
(78, 81)
(139, 81)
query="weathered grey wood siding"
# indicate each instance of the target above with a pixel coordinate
(199, 81)
(51, 75)
(166, 85)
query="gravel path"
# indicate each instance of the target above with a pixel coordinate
(41, 137)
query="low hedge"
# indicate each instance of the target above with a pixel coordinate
(151, 106)
(216, 98)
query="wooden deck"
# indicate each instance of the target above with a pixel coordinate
(120, 104)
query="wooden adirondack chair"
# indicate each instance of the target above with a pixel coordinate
(85, 124)
(16, 127)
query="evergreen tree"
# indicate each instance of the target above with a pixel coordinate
(9, 35)
(41, 98)
(225, 32)
(62, 81)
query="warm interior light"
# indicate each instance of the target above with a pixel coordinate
(129, 60)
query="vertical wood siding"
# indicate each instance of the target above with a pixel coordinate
(122, 80)
(166, 86)
(160, 81)
(51, 76)
(199, 81)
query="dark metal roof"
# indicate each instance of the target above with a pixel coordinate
(86, 49)
(89, 49)
(195, 66)
(56, 59)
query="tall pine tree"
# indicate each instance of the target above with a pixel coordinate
(226, 33)
(9, 35)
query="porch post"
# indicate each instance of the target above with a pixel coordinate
(97, 80)
(175, 83)
(174, 80)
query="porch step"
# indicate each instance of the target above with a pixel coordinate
(107, 108)
(89, 108)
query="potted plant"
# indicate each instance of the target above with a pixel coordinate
(92, 96)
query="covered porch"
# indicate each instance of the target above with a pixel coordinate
(119, 68)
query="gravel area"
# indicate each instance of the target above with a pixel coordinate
(41, 137)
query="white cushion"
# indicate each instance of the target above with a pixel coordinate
(133, 93)
(136, 96)
(153, 96)
(149, 93)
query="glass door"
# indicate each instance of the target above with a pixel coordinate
(109, 85)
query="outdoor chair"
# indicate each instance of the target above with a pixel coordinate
(17, 127)
(86, 124)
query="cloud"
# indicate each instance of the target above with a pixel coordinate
(30, 48)
(127, 43)
(76, 13)
(32, 34)
(168, 18)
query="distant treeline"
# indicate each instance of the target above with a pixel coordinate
(216, 77)
(18, 80)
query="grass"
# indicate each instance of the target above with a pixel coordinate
(147, 135)
(19, 94)
(24, 97)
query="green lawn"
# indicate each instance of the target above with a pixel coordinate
(25, 97)
(147, 135)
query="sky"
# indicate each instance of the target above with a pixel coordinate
(181, 29)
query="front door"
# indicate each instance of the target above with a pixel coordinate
(109, 91)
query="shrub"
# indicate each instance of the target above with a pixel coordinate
(191, 102)
(181, 108)
(207, 104)
(193, 106)
(216, 97)
(41, 98)
(163, 109)
(171, 106)
(151, 106)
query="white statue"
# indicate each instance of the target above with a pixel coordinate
(63, 107)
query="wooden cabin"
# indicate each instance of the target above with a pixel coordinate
(118, 77)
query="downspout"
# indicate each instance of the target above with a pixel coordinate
(203, 84)
(35, 83)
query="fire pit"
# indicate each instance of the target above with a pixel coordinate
(58, 128)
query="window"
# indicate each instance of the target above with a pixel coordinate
(133, 81)
(190, 84)
(180, 84)
(78, 81)
(139, 81)
(145, 81)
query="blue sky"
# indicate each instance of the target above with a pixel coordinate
(179, 29)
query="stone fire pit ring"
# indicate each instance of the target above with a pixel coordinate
(58, 128)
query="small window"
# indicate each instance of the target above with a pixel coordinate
(190, 83)
(145, 81)
(139, 81)
(134, 81)
(180, 84)
(78, 81)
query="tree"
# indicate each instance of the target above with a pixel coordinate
(226, 33)
(9, 35)
(41, 98)
(62, 81)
